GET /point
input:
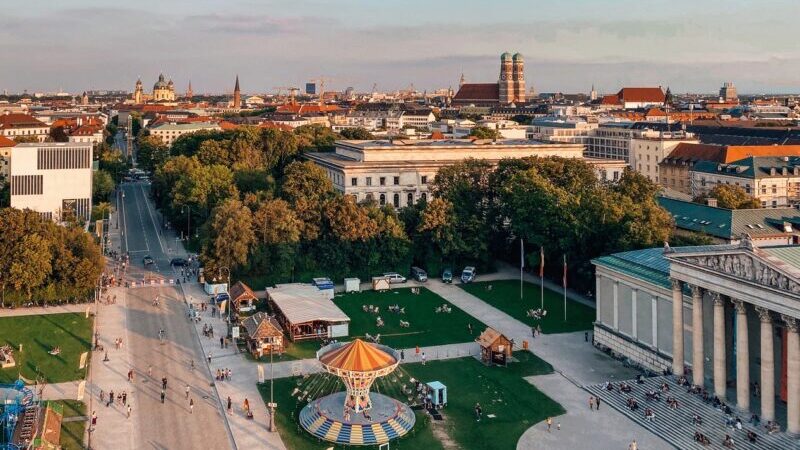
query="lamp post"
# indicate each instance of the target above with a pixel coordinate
(227, 290)
(272, 404)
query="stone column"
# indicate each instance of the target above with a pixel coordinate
(767, 366)
(792, 375)
(742, 357)
(654, 319)
(720, 355)
(677, 327)
(616, 305)
(634, 326)
(698, 372)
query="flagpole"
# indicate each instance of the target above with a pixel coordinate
(565, 288)
(521, 264)
(541, 275)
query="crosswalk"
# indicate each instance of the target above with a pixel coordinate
(675, 425)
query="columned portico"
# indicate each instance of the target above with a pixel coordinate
(793, 375)
(720, 357)
(698, 373)
(767, 365)
(742, 357)
(677, 327)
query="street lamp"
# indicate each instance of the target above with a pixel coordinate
(271, 404)
(227, 290)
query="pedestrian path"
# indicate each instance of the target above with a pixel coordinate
(676, 425)
(39, 310)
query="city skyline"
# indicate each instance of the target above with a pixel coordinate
(79, 46)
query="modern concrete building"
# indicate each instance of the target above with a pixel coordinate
(399, 172)
(727, 315)
(54, 179)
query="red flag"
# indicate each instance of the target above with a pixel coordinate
(565, 272)
(541, 262)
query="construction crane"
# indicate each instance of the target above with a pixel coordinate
(321, 81)
(291, 90)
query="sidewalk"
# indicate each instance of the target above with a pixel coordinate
(39, 310)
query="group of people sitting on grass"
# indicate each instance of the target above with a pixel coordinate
(397, 309)
(372, 309)
(443, 309)
(55, 351)
(537, 313)
(376, 339)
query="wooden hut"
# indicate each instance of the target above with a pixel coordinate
(243, 298)
(262, 334)
(306, 312)
(495, 347)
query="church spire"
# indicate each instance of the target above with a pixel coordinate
(237, 96)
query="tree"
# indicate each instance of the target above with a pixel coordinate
(151, 152)
(357, 133)
(231, 235)
(57, 134)
(730, 196)
(26, 139)
(315, 138)
(280, 148)
(102, 185)
(276, 223)
(189, 143)
(306, 186)
(482, 132)
(31, 265)
(347, 221)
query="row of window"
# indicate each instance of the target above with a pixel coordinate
(27, 185)
(395, 198)
(382, 181)
(63, 158)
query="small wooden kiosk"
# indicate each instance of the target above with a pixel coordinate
(242, 297)
(263, 333)
(495, 347)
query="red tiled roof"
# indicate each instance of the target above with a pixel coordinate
(437, 135)
(655, 112)
(610, 100)
(274, 125)
(226, 125)
(309, 108)
(16, 120)
(6, 142)
(641, 94)
(697, 152)
(479, 92)
(729, 153)
(87, 130)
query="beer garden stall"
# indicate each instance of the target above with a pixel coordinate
(305, 312)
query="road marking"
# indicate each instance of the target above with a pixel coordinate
(121, 196)
(141, 223)
(152, 219)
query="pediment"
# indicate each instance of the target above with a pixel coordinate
(746, 264)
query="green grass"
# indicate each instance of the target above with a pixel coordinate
(501, 391)
(516, 404)
(505, 297)
(426, 326)
(296, 438)
(72, 433)
(38, 335)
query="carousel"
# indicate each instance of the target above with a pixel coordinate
(357, 417)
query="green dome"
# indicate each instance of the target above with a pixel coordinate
(517, 56)
(505, 56)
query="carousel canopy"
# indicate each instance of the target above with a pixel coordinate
(358, 356)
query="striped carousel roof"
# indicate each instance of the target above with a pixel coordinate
(358, 356)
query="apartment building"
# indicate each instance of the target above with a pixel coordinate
(774, 181)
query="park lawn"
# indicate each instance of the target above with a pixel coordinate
(295, 437)
(504, 296)
(72, 433)
(294, 351)
(38, 335)
(426, 326)
(502, 391)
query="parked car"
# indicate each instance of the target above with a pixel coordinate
(180, 262)
(447, 275)
(419, 274)
(468, 274)
(395, 277)
(147, 260)
(221, 297)
(323, 283)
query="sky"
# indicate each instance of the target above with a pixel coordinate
(690, 46)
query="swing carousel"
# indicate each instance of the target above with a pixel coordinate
(357, 417)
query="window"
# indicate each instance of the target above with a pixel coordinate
(774, 189)
(369, 181)
(382, 181)
(424, 179)
(396, 200)
(382, 199)
(410, 199)
(354, 181)
(424, 197)
(774, 203)
(396, 181)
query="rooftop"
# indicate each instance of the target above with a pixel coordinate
(478, 92)
(302, 303)
(752, 167)
(358, 356)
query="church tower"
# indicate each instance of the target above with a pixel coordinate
(189, 91)
(85, 98)
(506, 81)
(138, 93)
(593, 94)
(237, 95)
(518, 76)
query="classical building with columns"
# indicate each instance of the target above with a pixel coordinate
(730, 312)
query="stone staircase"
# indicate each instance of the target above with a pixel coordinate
(675, 426)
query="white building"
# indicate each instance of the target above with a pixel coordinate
(54, 179)
(649, 147)
(14, 126)
(399, 172)
(170, 132)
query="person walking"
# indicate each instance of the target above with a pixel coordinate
(402, 355)
(124, 397)
(94, 419)
(230, 406)
(417, 351)
(591, 403)
(102, 396)
(129, 411)
(164, 383)
(423, 358)
(187, 391)
(150, 371)
(246, 405)
(549, 423)
(209, 358)
(191, 406)
(221, 342)
(597, 403)
(163, 395)
(478, 412)
(633, 445)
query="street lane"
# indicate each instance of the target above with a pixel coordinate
(169, 425)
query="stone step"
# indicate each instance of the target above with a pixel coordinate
(675, 426)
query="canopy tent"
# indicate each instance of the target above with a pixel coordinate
(358, 356)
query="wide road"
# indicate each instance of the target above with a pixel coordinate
(167, 425)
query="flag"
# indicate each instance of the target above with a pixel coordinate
(564, 279)
(541, 262)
